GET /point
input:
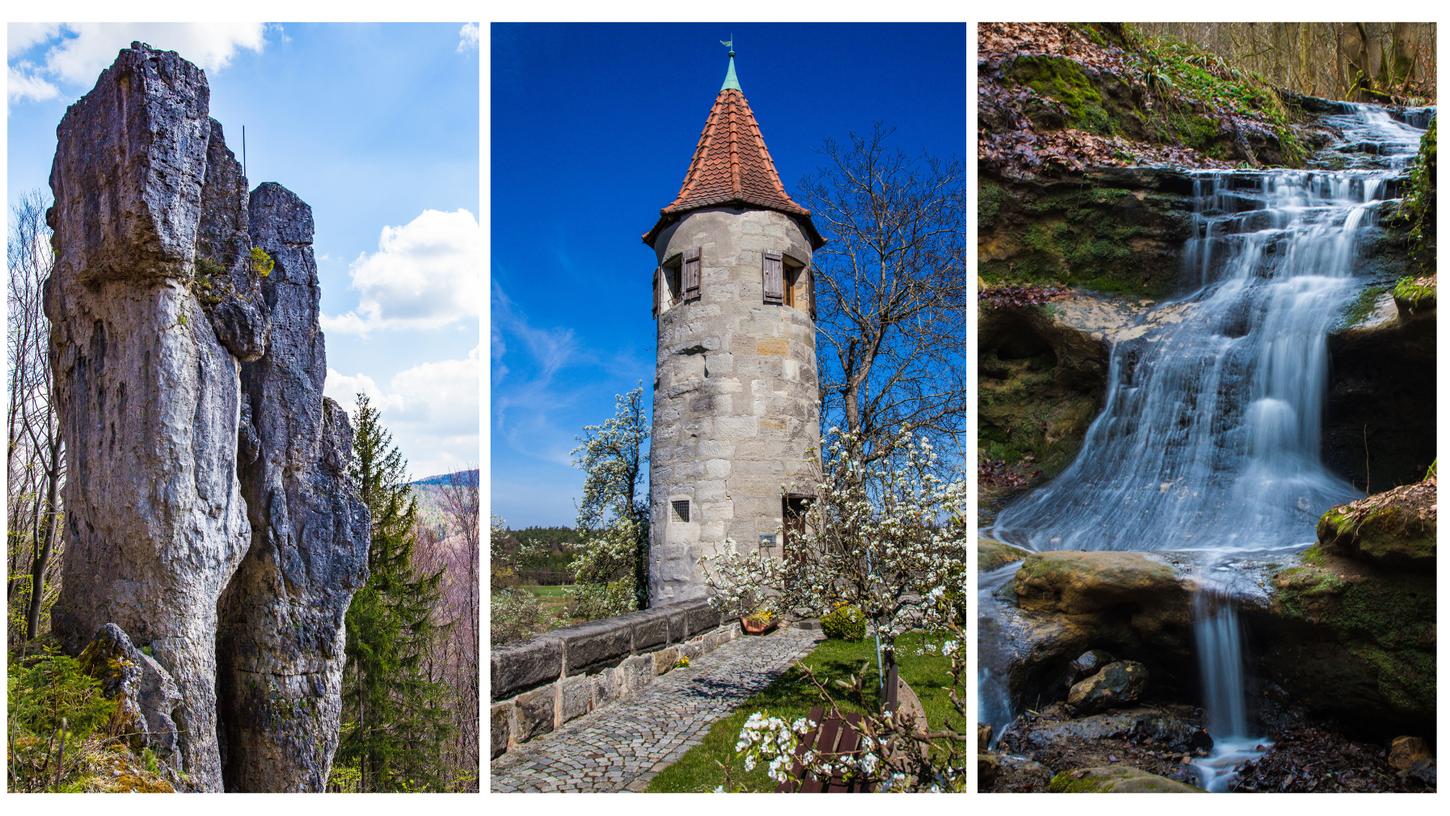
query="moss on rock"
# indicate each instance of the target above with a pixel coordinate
(1353, 625)
(1394, 528)
(1116, 779)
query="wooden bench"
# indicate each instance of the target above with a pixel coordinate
(831, 737)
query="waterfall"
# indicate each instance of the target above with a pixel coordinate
(1208, 443)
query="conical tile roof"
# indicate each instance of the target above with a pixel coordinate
(732, 167)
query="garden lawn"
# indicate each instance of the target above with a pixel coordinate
(792, 696)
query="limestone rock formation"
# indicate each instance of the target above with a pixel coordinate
(147, 394)
(144, 692)
(181, 461)
(228, 287)
(281, 638)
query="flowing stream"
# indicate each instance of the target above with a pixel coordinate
(1208, 444)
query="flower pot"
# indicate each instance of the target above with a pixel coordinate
(753, 628)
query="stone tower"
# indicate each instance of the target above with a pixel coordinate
(736, 402)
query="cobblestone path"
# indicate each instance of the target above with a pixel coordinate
(623, 745)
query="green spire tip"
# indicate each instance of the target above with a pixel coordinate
(732, 83)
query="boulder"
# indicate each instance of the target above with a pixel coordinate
(1116, 779)
(1354, 641)
(1395, 528)
(1407, 752)
(1087, 664)
(147, 395)
(1117, 684)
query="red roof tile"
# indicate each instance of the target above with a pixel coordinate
(732, 166)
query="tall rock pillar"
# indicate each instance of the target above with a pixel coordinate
(146, 390)
(281, 640)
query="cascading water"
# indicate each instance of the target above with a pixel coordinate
(1209, 440)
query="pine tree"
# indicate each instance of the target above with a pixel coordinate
(394, 721)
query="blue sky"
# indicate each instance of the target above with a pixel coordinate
(375, 126)
(592, 131)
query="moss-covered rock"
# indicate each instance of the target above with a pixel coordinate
(1394, 528)
(1354, 637)
(1414, 295)
(1116, 779)
(992, 554)
(1114, 231)
(1084, 583)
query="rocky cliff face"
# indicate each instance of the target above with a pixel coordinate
(282, 637)
(154, 303)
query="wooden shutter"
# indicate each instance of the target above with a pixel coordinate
(655, 310)
(810, 289)
(774, 278)
(690, 274)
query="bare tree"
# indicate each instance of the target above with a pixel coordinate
(34, 450)
(1372, 62)
(892, 288)
(459, 501)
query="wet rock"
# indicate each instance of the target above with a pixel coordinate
(995, 554)
(146, 393)
(1116, 779)
(1081, 583)
(984, 736)
(987, 766)
(1118, 684)
(1155, 738)
(1041, 380)
(281, 638)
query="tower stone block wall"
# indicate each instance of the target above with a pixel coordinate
(736, 398)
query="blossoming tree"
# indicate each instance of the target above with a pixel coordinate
(887, 536)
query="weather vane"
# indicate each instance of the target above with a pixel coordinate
(730, 44)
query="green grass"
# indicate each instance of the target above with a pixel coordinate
(552, 598)
(792, 696)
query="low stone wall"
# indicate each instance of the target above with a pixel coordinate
(542, 683)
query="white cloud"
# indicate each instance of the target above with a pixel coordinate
(431, 410)
(20, 37)
(426, 274)
(72, 55)
(468, 37)
(80, 58)
(22, 83)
